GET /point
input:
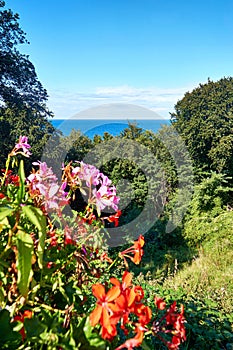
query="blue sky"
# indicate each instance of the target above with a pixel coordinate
(144, 52)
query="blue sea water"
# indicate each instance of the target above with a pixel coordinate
(94, 127)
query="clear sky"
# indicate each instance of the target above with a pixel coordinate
(145, 52)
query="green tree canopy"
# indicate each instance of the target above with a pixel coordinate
(204, 118)
(23, 99)
(18, 80)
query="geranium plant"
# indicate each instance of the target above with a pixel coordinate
(57, 289)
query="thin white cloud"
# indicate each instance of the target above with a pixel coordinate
(65, 104)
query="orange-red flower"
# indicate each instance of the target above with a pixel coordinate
(136, 250)
(105, 310)
(130, 344)
(123, 305)
(126, 281)
(120, 302)
(115, 218)
(144, 314)
(104, 256)
(128, 294)
(160, 303)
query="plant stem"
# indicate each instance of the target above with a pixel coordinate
(6, 170)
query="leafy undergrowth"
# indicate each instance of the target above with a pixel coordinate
(201, 279)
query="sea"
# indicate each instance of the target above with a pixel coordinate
(92, 127)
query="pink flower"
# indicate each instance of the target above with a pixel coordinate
(105, 180)
(23, 144)
(88, 173)
(96, 186)
(44, 188)
(105, 197)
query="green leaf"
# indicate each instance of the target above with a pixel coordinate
(34, 327)
(144, 346)
(37, 218)
(24, 261)
(21, 190)
(2, 296)
(94, 339)
(68, 339)
(86, 338)
(5, 211)
(8, 338)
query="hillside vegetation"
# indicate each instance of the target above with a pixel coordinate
(193, 262)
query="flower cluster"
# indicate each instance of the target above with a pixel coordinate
(116, 306)
(172, 323)
(124, 300)
(92, 183)
(45, 190)
(10, 178)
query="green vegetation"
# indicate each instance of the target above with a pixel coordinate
(204, 118)
(23, 99)
(193, 263)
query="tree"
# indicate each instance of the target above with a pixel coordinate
(22, 97)
(204, 118)
(18, 80)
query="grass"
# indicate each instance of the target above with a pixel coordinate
(209, 276)
(200, 278)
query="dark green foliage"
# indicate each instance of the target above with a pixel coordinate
(77, 145)
(147, 168)
(23, 121)
(18, 80)
(210, 200)
(204, 118)
(9, 338)
(22, 98)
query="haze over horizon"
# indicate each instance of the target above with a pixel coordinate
(116, 111)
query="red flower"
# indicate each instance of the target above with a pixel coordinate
(136, 249)
(115, 218)
(105, 310)
(104, 256)
(14, 179)
(2, 195)
(130, 344)
(118, 307)
(10, 178)
(20, 318)
(172, 322)
(144, 314)
(126, 281)
(49, 264)
(160, 303)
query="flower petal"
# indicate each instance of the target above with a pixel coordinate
(113, 293)
(95, 315)
(98, 291)
(126, 279)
